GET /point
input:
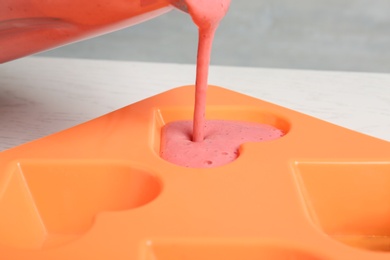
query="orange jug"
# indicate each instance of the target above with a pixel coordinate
(32, 26)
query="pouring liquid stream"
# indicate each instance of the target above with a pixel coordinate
(207, 15)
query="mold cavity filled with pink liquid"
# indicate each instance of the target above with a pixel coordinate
(220, 145)
(200, 143)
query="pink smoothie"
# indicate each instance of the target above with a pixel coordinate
(220, 145)
(200, 143)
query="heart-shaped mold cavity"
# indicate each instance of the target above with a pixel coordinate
(227, 250)
(349, 201)
(226, 128)
(221, 142)
(49, 203)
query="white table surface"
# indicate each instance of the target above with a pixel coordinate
(41, 96)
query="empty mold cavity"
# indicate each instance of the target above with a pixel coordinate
(49, 203)
(212, 250)
(271, 127)
(349, 201)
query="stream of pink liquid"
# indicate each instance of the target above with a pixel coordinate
(207, 15)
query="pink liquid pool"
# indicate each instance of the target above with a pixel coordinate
(220, 145)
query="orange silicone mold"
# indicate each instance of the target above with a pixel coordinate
(100, 190)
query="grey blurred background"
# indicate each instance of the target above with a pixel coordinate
(348, 35)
